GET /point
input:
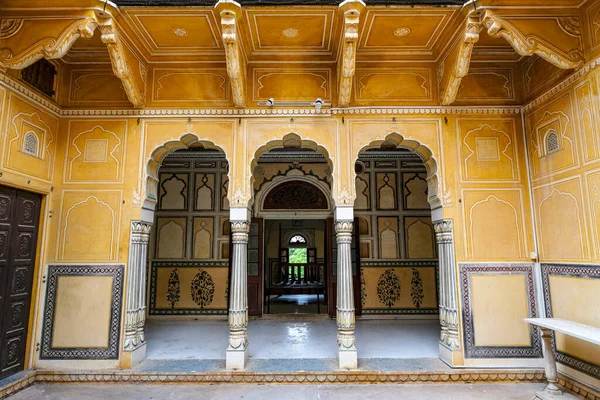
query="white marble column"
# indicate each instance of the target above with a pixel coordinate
(237, 349)
(135, 314)
(449, 336)
(347, 354)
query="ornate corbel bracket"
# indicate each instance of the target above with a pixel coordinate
(230, 13)
(17, 53)
(121, 58)
(347, 63)
(457, 63)
(565, 53)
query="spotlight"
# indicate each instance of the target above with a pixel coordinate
(319, 103)
(271, 102)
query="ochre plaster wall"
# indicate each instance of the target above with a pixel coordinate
(566, 200)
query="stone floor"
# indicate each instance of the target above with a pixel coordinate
(282, 339)
(502, 391)
(297, 304)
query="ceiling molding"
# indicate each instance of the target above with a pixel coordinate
(211, 3)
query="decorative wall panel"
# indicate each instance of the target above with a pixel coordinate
(376, 85)
(189, 288)
(555, 118)
(588, 118)
(388, 237)
(96, 152)
(23, 119)
(171, 236)
(386, 191)
(173, 191)
(487, 85)
(494, 225)
(363, 192)
(190, 85)
(89, 217)
(566, 288)
(561, 221)
(420, 238)
(415, 191)
(203, 238)
(96, 87)
(539, 75)
(399, 287)
(493, 328)
(291, 84)
(82, 313)
(488, 150)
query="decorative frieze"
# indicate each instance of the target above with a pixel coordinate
(135, 314)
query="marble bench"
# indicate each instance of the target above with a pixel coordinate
(580, 331)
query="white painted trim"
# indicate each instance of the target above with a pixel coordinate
(504, 363)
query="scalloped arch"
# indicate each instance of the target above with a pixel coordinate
(426, 155)
(292, 136)
(158, 155)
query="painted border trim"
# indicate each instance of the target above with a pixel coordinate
(116, 271)
(471, 349)
(577, 271)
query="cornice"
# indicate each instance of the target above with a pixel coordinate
(17, 86)
(580, 73)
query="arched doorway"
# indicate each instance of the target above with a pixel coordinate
(188, 252)
(397, 251)
(293, 205)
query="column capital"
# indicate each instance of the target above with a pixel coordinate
(444, 231)
(140, 227)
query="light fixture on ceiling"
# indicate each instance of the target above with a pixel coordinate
(317, 104)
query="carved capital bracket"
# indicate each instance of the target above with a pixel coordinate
(527, 37)
(19, 48)
(347, 64)
(456, 65)
(126, 66)
(230, 13)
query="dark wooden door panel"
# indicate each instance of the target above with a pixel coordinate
(255, 267)
(19, 219)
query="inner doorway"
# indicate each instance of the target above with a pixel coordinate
(296, 273)
(19, 224)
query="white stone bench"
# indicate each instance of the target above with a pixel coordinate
(580, 331)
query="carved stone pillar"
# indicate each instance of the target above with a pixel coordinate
(135, 314)
(347, 354)
(237, 349)
(449, 336)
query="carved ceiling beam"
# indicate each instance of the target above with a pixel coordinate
(230, 13)
(125, 64)
(22, 42)
(555, 39)
(455, 66)
(347, 63)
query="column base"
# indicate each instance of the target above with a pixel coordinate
(454, 358)
(236, 359)
(550, 395)
(348, 359)
(130, 359)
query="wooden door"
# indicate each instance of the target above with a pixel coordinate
(19, 222)
(255, 267)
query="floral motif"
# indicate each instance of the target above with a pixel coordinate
(4, 203)
(180, 32)
(416, 291)
(202, 289)
(363, 288)
(174, 289)
(402, 31)
(290, 32)
(388, 288)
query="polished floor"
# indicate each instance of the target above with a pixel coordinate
(298, 304)
(292, 339)
(503, 391)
